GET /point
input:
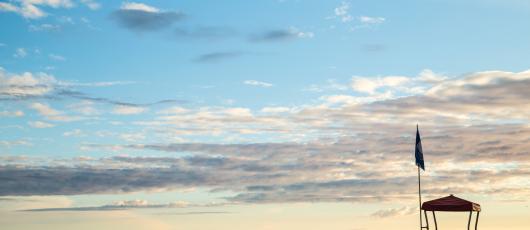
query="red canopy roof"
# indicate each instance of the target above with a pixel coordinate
(450, 204)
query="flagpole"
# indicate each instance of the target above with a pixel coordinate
(419, 196)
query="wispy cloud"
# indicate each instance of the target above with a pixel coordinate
(281, 35)
(40, 124)
(204, 33)
(20, 53)
(137, 204)
(218, 56)
(91, 4)
(392, 212)
(17, 113)
(128, 110)
(371, 20)
(44, 27)
(57, 57)
(258, 83)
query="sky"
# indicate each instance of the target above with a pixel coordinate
(266, 114)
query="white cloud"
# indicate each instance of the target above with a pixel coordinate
(139, 6)
(44, 27)
(85, 108)
(128, 110)
(11, 143)
(30, 8)
(342, 12)
(275, 109)
(40, 124)
(44, 110)
(91, 4)
(57, 57)
(371, 85)
(429, 76)
(17, 113)
(26, 84)
(257, 83)
(301, 34)
(52, 114)
(132, 137)
(73, 133)
(174, 110)
(20, 53)
(371, 20)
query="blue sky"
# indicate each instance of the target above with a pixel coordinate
(219, 107)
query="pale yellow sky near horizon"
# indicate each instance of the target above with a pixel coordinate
(304, 216)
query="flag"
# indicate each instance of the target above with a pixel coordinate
(419, 151)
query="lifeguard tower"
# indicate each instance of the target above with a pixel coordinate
(450, 204)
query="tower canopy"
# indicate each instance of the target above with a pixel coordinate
(450, 204)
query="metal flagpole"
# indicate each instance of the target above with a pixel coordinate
(419, 195)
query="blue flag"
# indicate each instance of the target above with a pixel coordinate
(419, 151)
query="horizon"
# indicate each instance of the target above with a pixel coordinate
(271, 114)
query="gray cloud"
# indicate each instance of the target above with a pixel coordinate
(374, 166)
(83, 96)
(141, 20)
(28, 86)
(71, 181)
(280, 35)
(218, 56)
(204, 33)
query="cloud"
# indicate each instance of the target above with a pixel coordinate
(73, 133)
(51, 114)
(132, 137)
(92, 180)
(133, 204)
(204, 32)
(275, 109)
(17, 113)
(141, 17)
(44, 27)
(369, 85)
(11, 143)
(474, 128)
(57, 57)
(20, 53)
(218, 56)
(342, 12)
(257, 83)
(281, 35)
(44, 110)
(371, 20)
(40, 124)
(128, 110)
(392, 212)
(25, 84)
(91, 4)
(30, 9)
